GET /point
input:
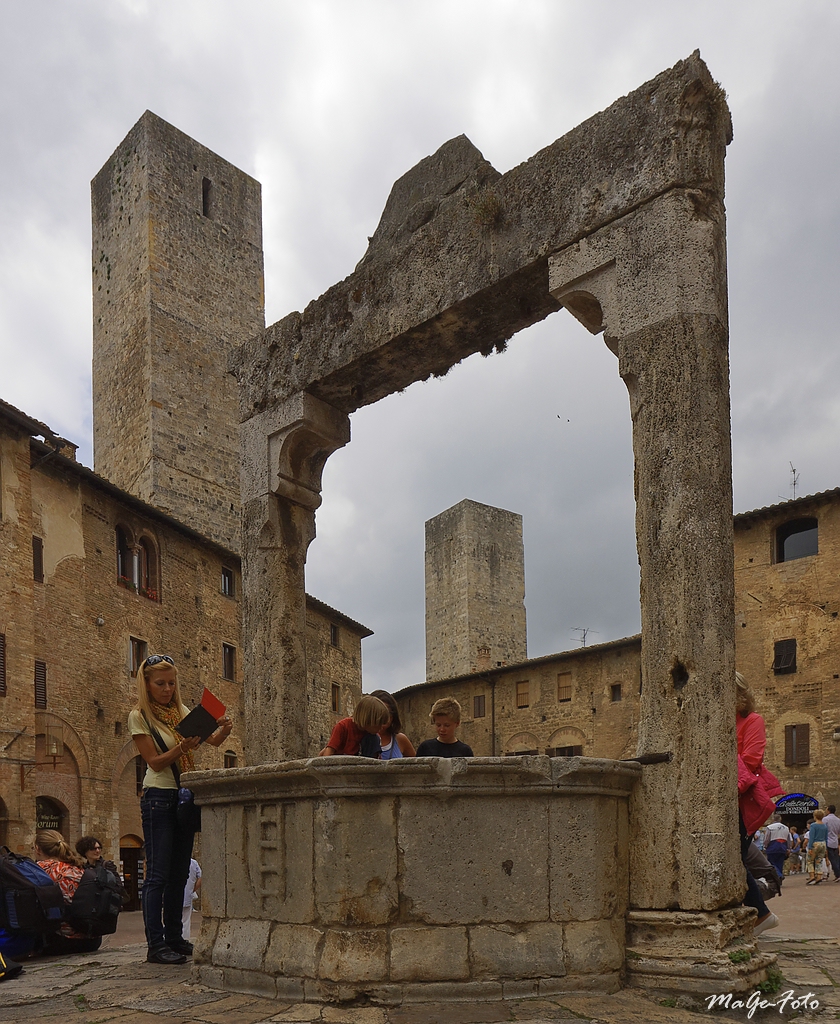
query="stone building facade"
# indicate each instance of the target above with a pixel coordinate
(475, 590)
(92, 580)
(586, 701)
(177, 285)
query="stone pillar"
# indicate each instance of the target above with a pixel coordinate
(655, 283)
(284, 450)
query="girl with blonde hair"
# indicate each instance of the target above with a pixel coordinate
(168, 842)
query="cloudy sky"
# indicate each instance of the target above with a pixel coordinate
(327, 102)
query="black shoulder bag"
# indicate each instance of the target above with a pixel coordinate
(188, 813)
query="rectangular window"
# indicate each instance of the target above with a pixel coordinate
(797, 744)
(2, 664)
(228, 661)
(523, 699)
(564, 751)
(38, 559)
(231, 759)
(333, 634)
(564, 687)
(228, 582)
(478, 706)
(137, 651)
(784, 657)
(335, 700)
(207, 197)
(40, 684)
(615, 692)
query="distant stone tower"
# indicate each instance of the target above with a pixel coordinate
(177, 283)
(475, 590)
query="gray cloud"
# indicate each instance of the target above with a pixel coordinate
(327, 103)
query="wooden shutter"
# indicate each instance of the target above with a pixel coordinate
(803, 744)
(40, 684)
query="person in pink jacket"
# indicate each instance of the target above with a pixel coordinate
(755, 786)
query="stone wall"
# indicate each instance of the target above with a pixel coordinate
(338, 879)
(177, 284)
(795, 600)
(475, 590)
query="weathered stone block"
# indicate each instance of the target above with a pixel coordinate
(587, 841)
(293, 949)
(357, 955)
(251, 982)
(594, 947)
(241, 944)
(499, 873)
(451, 991)
(214, 860)
(504, 951)
(429, 954)
(353, 889)
(268, 876)
(203, 946)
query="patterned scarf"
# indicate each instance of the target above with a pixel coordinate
(170, 715)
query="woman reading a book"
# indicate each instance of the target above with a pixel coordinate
(168, 842)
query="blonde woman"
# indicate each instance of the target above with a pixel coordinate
(65, 867)
(168, 842)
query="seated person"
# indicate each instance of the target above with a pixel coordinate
(66, 867)
(90, 848)
(446, 716)
(359, 735)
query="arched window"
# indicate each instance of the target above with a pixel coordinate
(522, 743)
(148, 582)
(797, 539)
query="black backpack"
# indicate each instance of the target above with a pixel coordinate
(30, 901)
(96, 903)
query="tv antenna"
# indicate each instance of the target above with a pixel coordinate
(794, 480)
(584, 633)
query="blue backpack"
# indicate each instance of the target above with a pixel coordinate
(30, 901)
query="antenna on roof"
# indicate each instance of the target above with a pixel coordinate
(584, 633)
(794, 480)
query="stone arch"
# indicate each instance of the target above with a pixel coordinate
(44, 720)
(522, 743)
(623, 216)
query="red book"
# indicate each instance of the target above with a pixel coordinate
(201, 721)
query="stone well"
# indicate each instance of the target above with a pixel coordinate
(338, 879)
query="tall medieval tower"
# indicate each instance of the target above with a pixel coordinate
(475, 590)
(177, 284)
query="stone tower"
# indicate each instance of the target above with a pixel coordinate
(177, 284)
(475, 590)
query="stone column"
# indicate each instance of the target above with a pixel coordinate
(655, 283)
(284, 450)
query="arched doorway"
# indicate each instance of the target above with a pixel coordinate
(132, 867)
(50, 814)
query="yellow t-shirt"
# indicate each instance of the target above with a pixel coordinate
(138, 726)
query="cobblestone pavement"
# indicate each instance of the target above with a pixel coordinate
(116, 984)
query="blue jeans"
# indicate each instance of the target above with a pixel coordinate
(776, 853)
(168, 853)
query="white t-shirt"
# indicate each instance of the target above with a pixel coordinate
(776, 830)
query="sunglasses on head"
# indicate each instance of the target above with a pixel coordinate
(156, 659)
